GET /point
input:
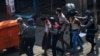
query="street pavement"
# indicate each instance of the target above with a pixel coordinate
(38, 51)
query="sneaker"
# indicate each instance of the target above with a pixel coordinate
(72, 53)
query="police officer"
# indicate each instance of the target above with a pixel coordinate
(29, 37)
(91, 29)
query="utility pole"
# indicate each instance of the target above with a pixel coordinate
(51, 6)
(81, 6)
(95, 12)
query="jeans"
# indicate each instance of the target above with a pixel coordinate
(71, 35)
(76, 40)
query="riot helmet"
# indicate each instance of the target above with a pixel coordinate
(70, 6)
(88, 13)
(30, 22)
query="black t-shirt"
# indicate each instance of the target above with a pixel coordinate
(90, 23)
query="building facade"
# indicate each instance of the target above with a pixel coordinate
(45, 6)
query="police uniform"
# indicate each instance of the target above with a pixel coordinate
(29, 38)
(90, 26)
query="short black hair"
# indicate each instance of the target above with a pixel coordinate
(44, 18)
(59, 10)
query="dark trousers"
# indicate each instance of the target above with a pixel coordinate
(21, 45)
(71, 44)
(90, 38)
(28, 46)
(55, 39)
(63, 42)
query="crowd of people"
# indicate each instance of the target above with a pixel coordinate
(55, 28)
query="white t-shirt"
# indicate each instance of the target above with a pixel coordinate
(47, 26)
(62, 18)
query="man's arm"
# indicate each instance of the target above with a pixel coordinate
(65, 19)
(89, 23)
(82, 17)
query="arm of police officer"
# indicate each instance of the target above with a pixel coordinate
(79, 22)
(89, 23)
(82, 17)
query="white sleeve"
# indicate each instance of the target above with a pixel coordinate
(49, 26)
(64, 17)
(46, 28)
